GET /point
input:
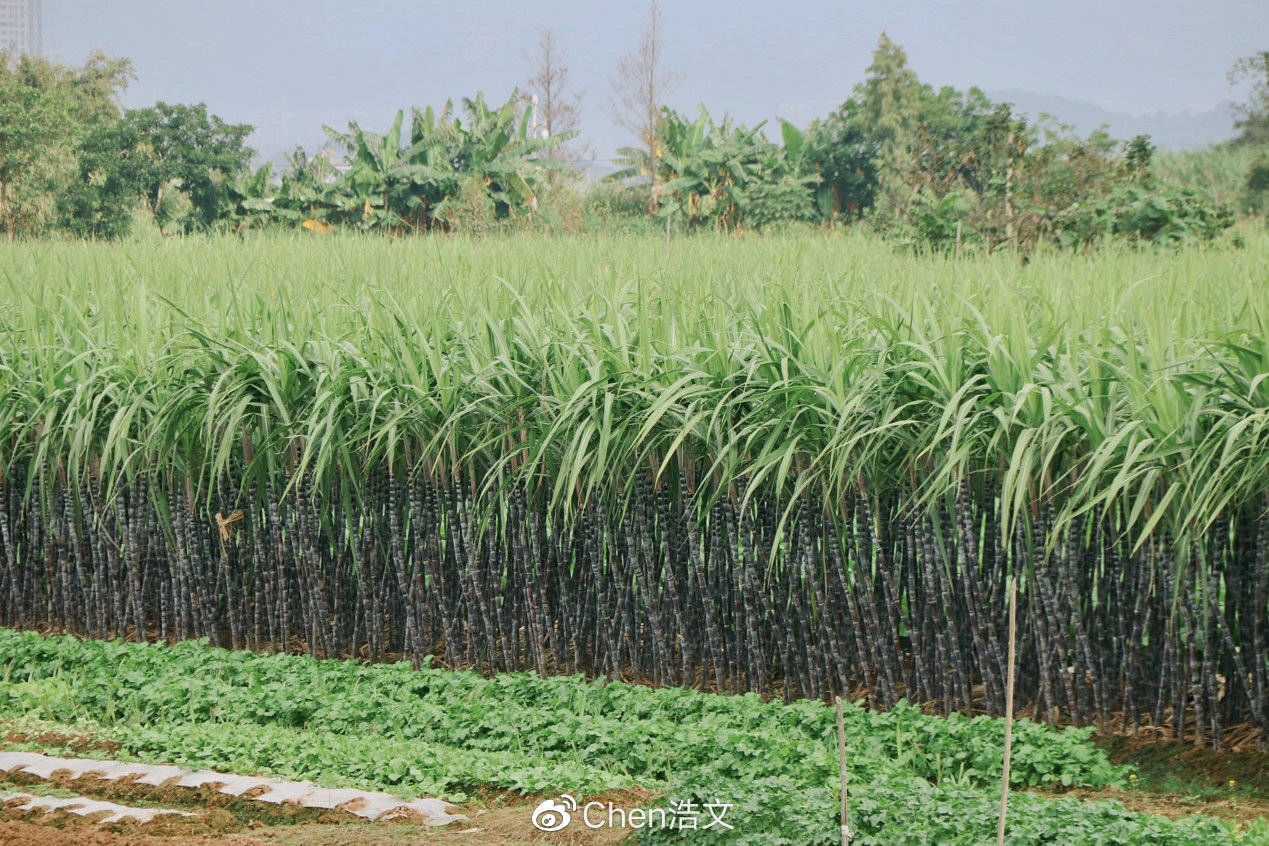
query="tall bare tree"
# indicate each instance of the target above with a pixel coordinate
(640, 88)
(558, 107)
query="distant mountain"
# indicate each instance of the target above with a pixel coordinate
(1171, 131)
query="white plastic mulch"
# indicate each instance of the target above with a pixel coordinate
(363, 803)
(83, 806)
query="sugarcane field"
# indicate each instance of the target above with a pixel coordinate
(890, 472)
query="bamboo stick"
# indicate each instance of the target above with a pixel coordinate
(1004, 775)
(847, 834)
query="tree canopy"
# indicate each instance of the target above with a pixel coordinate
(45, 110)
(1251, 117)
(930, 167)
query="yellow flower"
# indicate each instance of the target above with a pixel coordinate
(1231, 784)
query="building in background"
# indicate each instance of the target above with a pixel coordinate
(20, 26)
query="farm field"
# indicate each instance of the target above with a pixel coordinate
(461, 736)
(611, 516)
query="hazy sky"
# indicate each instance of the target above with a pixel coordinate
(289, 67)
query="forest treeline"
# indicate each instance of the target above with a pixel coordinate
(935, 168)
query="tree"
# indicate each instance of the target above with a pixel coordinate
(31, 121)
(557, 107)
(182, 144)
(45, 110)
(1252, 117)
(640, 88)
(381, 171)
(938, 167)
(719, 174)
(1255, 197)
(866, 150)
(444, 170)
(100, 203)
(90, 91)
(889, 104)
(843, 153)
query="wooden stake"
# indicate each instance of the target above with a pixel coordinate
(841, 760)
(1009, 230)
(1004, 776)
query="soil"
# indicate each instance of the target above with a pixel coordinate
(14, 832)
(78, 743)
(1235, 809)
(1160, 759)
(1176, 779)
(501, 819)
(508, 827)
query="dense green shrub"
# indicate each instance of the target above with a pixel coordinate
(777, 203)
(1150, 211)
(620, 208)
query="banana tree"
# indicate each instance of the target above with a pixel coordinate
(710, 173)
(308, 186)
(253, 199)
(419, 185)
(497, 148)
(382, 176)
(802, 169)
